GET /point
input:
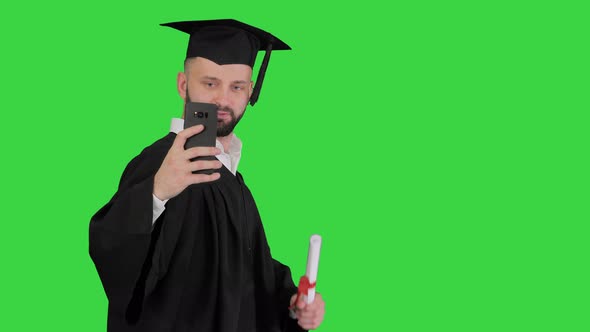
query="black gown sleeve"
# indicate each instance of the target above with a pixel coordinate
(285, 282)
(286, 289)
(121, 240)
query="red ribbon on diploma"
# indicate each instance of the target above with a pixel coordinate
(304, 286)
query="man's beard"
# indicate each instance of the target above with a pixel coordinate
(224, 129)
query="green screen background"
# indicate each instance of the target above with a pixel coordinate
(440, 149)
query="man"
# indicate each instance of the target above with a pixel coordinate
(183, 251)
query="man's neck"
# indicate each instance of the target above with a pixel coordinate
(225, 141)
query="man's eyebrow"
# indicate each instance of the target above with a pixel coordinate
(212, 78)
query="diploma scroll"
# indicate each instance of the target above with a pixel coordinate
(306, 289)
(313, 260)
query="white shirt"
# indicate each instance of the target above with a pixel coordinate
(229, 159)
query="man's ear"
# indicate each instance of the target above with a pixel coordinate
(182, 85)
(251, 90)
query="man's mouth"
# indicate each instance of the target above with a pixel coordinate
(222, 115)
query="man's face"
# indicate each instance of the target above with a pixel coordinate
(227, 86)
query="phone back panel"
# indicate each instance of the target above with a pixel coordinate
(205, 114)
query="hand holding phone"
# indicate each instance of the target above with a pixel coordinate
(177, 172)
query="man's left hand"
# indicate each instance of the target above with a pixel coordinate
(309, 316)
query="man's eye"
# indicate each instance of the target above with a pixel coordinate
(238, 87)
(209, 84)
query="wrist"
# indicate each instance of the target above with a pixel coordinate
(157, 192)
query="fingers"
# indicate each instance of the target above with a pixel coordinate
(310, 318)
(199, 165)
(183, 135)
(201, 151)
(200, 178)
(311, 315)
(310, 311)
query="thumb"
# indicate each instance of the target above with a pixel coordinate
(300, 304)
(292, 300)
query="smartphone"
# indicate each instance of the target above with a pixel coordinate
(201, 114)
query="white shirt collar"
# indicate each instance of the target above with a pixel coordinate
(230, 159)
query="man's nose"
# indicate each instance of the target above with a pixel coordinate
(221, 98)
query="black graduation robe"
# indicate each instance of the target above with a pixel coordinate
(205, 265)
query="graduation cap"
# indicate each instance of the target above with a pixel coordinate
(230, 42)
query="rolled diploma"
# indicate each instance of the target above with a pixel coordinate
(313, 259)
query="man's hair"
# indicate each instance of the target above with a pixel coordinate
(187, 63)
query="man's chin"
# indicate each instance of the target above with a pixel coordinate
(226, 128)
(224, 131)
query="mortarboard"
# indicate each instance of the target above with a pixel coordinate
(230, 42)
